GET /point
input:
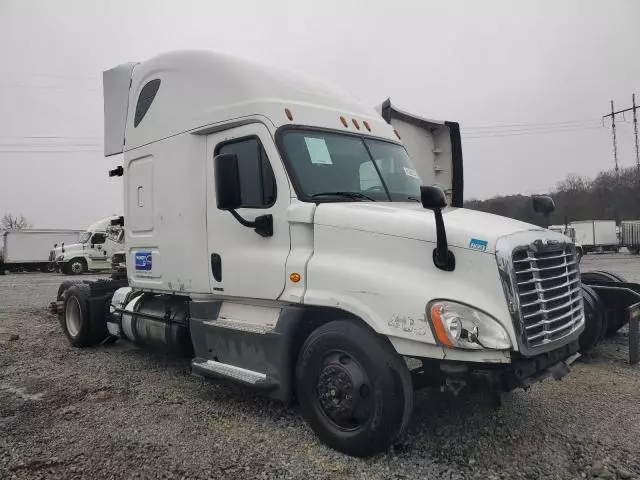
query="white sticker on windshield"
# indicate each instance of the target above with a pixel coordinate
(410, 172)
(318, 150)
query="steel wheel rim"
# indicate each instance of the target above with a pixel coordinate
(76, 267)
(344, 394)
(73, 316)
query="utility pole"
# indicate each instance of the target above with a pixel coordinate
(615, 143)
(634, 108)
(635, 132)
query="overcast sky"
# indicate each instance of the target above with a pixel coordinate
(527, 80)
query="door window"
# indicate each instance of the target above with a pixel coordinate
(256, 176)
(98, 239)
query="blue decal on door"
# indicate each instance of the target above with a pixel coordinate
(143, 260)
(476, 244)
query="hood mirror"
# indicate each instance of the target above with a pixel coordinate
(545, 205)
(433, 198)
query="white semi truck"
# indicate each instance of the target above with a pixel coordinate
(27, 249)
(93, 251)
(278, 233)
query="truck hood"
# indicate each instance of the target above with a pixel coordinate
(68, 249)
(468, 229)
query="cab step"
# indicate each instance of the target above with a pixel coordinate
(203, 367)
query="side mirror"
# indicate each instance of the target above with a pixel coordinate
(227, 181)
(543, 204)
(433, 198)
(228, 193)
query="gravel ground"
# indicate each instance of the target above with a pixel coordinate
(121, 412)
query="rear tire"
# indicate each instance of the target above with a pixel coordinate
(64, 286)
(354, 389)
(618, 321)
(595, 324)
(79, 325)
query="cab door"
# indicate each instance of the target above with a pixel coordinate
(96, 250)
(242, 262)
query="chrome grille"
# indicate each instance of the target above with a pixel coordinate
(548, 289)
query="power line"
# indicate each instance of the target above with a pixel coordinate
(50, 75)
(51, 87)
(533, 124)
(48, 136)
(52, 151)
(532, 130)
(526, 132)
(49, 144)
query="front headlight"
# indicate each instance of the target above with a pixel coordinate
(460, 326)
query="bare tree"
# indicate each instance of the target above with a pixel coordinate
(577, 198)
(13, 222)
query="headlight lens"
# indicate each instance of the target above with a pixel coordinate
(461, 326)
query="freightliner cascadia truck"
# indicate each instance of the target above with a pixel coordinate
(278, 233)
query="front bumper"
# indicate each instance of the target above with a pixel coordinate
(524, 372)
(521, 372)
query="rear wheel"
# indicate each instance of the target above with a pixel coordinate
(354, 390)
(595, 325)
(616, 322)
(82, 328)
(64, 286)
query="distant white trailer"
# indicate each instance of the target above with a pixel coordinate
(630, 235)
(596, 235)
(29, 249)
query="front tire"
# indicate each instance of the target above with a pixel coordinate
(354, 389)
(76, 266)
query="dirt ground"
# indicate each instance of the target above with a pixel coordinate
(121, 412)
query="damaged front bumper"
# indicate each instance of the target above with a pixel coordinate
(522, 372)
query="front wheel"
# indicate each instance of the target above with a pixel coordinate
(354, 390)
(76, 266)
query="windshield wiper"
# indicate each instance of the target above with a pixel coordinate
(357, 195)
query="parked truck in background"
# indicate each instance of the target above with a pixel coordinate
(92, 251)
(596, 235)
(279, 235)
(630, 235)
(28, 249)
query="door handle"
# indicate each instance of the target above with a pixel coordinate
(216, 266)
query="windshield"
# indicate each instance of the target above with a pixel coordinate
(338, 167)
(84, 237)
